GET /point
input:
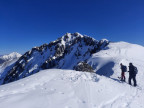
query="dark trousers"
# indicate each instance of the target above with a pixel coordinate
(123, 76)
(134, 79)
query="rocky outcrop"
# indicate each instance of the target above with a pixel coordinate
(84, 67)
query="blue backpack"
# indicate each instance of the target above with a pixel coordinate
(124, 69)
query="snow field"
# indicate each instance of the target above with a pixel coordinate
(68, 89)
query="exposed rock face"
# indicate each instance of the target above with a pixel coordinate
(83, 66)
(64, 53)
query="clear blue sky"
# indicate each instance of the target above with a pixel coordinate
(28, 23)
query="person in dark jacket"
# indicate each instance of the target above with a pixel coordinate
(132, 74)
(122, 72)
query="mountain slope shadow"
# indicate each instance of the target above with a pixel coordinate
(106, 70)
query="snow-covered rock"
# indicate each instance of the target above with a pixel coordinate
(84, 67)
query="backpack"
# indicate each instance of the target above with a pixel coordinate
(124, 69)
(135, 70)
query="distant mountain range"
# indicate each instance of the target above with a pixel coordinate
(6, 62)
(9, 57)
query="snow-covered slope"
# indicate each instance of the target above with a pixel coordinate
(70, 89)
(107, 62)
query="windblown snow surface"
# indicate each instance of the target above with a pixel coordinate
(57, 88)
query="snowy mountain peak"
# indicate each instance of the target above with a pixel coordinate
(64, 53)
(72, 35)
(69, 37)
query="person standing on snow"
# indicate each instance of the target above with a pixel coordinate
(132, 74)
(123, 70)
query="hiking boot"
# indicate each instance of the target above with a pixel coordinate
(135, 85)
